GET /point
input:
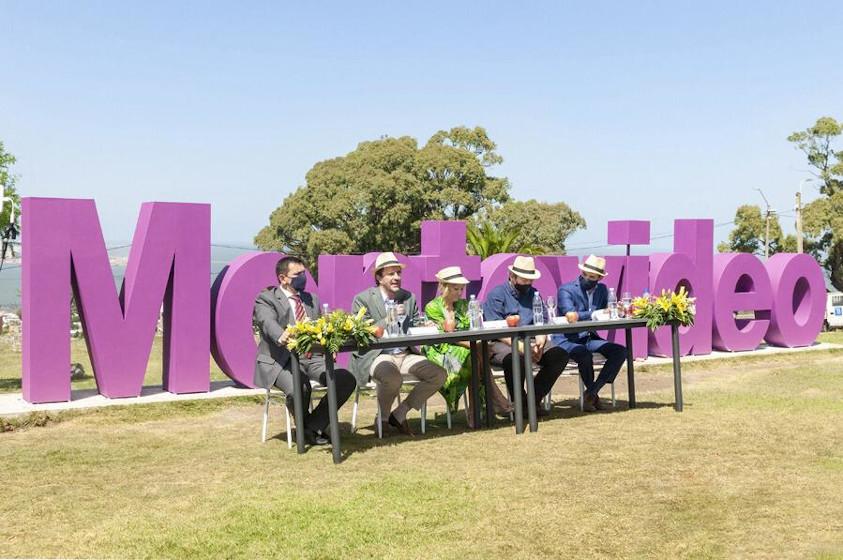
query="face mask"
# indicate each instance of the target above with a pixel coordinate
(522, 288)
(587, 284)
(299, 282)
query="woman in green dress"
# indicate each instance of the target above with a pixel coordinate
(449, 311)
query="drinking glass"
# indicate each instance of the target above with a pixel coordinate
(551, 309)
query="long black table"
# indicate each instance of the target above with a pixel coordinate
(479, 340)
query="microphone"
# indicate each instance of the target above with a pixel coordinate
(402, 295)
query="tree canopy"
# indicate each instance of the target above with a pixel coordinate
(8, 182)
(823, 218)
(375, 198)
(749, 231)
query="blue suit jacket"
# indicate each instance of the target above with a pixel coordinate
(571, 297)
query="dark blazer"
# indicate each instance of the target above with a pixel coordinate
(361, 364)
(571, 297)
(272, 315)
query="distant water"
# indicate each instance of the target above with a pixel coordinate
(221, 255)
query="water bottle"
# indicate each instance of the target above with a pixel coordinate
(325, 310)
(613, 304)
(473, 315)
(538, 309)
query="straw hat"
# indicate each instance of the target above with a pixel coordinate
(451, 275)
(525, 267)
(595, 265)
(386, 259)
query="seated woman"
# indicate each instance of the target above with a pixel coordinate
(449, 311)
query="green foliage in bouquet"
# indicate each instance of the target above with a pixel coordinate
(332, 332)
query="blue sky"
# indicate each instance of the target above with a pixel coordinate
(626, 110)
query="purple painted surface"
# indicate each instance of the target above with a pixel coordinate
(234, 347)
(740, 284)
(690, 265)
(799, 300)
(629, 232)
(168, 265)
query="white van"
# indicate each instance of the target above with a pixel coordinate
(833, 311)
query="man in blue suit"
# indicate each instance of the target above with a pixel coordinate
(579, 300)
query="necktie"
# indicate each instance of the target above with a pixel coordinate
(300, 314)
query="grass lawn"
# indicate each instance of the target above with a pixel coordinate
(752, 468)
(10, 367)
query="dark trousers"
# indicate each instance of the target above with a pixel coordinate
(583, 353)
(552, 364)
(313, 369)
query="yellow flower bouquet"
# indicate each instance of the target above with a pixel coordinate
(331, 332)
(668, 308)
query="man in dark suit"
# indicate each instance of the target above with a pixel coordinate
(275, 309)
(580, 300)
(386, 367)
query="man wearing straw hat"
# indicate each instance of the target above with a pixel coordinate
(386, 367)
(516, 298)
(580, 300)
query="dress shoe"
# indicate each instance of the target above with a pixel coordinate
(598, 404)
(402, 427)
(541, 412)
(589, 402)
(312, 437)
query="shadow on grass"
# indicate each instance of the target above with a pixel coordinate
(365, 438)
(9, 384)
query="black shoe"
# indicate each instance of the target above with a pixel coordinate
(402, 427)
(541, 412)
(589, 402)
(312, 437)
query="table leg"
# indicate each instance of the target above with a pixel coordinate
(531, 389)
(298, 405)
(516, 383)
(332, 407)
(677, 373)
(630, 371)
(487, 382)
(474, 386)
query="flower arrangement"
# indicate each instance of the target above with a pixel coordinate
(668, 308)
(332, 332)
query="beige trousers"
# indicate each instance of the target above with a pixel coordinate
(387, 370)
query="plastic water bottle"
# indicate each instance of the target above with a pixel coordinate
(473, 313)
(538, 309)
(326, 310)
(613, 304)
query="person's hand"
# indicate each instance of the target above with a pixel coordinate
(282, 340)
(537, 351)
(572, 316)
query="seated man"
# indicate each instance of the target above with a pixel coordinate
(387, 366)
(516, 298)
(579, 300)
(275, 309)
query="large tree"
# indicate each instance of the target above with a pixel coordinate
(542, 227)
(749, 233)
(375, 198)
(823, 217)
(8, 188)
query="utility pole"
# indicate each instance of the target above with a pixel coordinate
(799, 243)
(768, 215)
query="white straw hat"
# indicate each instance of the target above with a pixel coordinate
(525, 267)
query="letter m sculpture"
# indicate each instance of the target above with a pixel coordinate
(169, 267)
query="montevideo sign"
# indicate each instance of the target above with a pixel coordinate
(169, 266)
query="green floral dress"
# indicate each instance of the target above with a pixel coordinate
(455, 359)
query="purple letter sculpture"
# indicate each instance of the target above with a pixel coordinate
(799, 300)
(168, 265)
(740, 284)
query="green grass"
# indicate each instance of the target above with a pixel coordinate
(752, 468)
(10, 367)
